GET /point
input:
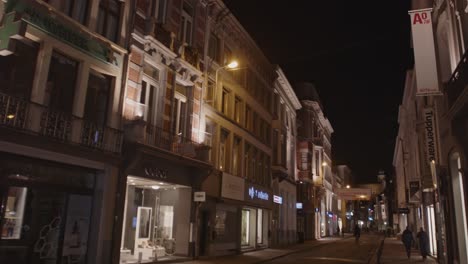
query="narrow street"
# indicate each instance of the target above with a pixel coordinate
(342, 251)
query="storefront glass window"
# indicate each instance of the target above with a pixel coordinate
(259, 226)
(14, 212)
(245, 228)
(156, 216)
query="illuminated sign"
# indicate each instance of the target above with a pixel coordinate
(277, 199)
(254, 193)
(298, 205)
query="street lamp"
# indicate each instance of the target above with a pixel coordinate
(231, 66)
(347, 186)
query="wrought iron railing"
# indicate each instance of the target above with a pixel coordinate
(458, 81)
(178, 144)
(42, 120)
(160, 138)
(12, 111)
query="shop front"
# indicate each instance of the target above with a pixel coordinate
(158, 210)
(255, 217)
(49, 211)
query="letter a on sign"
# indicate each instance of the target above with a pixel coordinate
(427, 82)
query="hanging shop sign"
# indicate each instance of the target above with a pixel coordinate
(199, 196)
(22, 12)
(424, 52)
(277, 199)
(299, 206)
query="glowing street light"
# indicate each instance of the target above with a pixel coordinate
(324, 164)
(347, 186)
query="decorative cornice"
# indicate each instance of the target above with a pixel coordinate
(287, 88)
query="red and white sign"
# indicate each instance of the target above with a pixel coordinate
(277, 199)
(427, 82)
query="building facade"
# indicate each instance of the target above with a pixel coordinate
(314, 164)
(442, 177)
(61, 75)
(165, 162)
(284, 163)
(236, 117)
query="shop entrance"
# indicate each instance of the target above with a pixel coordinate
(156, 221)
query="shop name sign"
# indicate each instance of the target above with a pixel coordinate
(429, 126)
(156, 173)
(37, 15)
(255, 193)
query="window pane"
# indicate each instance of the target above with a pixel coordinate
(101, 19)
(14, 212)
(143, 93)
(17, 70)
(61, 82)
(112, 26)
(97, 98)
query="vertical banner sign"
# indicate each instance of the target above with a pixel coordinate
(430, 129)
(424, 53)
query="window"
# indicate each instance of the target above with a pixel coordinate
(180, 112)
(227, 55)
(76, 9)
(276, 105)
(147, 100)
(247, 157)
(223, 150)
(17, 70)
(248, 117)
(108, 19)
(14, 212)
(245, 227)
(275, 146)
(259, 226)
(151, 71)
(210, 132)
(97, 98)
(61, 82)
(213, 48)
(225, 102)
(210, 92)
(237, 110)
(236, 156)
(159, 10)
(186, 27)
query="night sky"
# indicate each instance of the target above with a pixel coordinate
(356, 53)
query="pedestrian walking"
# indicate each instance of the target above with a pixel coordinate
(357, 233)
(423, 240)
(338, 231)
(407, 239)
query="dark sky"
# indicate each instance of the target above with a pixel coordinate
(356, 53)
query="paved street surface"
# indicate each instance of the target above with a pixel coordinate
(394, 252)
(343, 251)
(326, 250)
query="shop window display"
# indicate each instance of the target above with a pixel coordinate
(14, 212)
(155, 214)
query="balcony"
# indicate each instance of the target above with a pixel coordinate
(30, 117)
(458, 81)
(141, 132)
